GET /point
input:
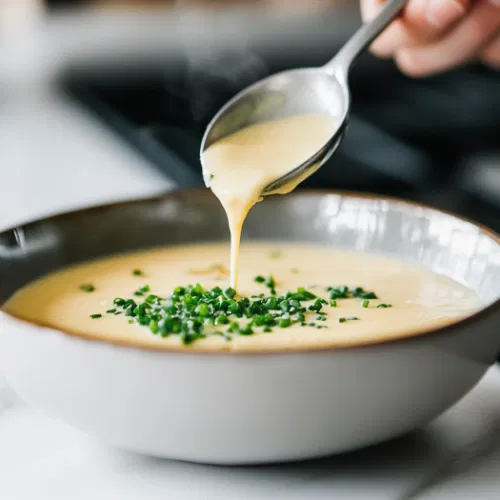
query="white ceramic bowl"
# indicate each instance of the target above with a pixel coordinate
(251, 408)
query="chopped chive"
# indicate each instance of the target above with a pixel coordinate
(383, 306)
(96, 316)
(275, 254)
(270, 282)
(339, 292)
(87, 287)
(222, 319)
(247, 330)
(343, 292)
(138, 272)
(317, 306)
(234, 327)
(142, 290)
(365, 303)
(203, 310)
(193, 312)
(284, 322)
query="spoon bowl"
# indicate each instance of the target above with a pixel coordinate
(289, 93)
(322, 90)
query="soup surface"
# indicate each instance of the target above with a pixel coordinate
(241, 165)
(409, 299)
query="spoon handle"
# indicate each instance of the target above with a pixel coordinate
(342, 62)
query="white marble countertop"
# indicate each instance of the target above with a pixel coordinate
(57, 159)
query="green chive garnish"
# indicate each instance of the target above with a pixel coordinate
(246, 331)
(87, 287)
(275, 254)
(343, 292)
(365, 303)
(193, 312)
(383, 306)
(137, 272)
(284, 322)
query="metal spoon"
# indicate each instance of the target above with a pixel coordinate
(321, 90)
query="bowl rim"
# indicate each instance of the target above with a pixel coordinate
(410, 336)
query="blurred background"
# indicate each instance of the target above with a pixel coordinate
(151, 74)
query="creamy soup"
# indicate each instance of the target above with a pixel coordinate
(337, 307)
(242, 164)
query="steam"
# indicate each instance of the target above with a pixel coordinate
(211, 75)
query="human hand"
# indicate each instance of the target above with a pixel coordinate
(432, 36)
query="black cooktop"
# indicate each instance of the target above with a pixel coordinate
(429, 139)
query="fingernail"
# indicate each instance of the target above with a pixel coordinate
(442, 13)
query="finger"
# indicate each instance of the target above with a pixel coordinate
(462, 44)
(442, 14)
(491, 55)
(395, 37)
(423, 21)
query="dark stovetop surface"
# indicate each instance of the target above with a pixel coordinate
(429, 140)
